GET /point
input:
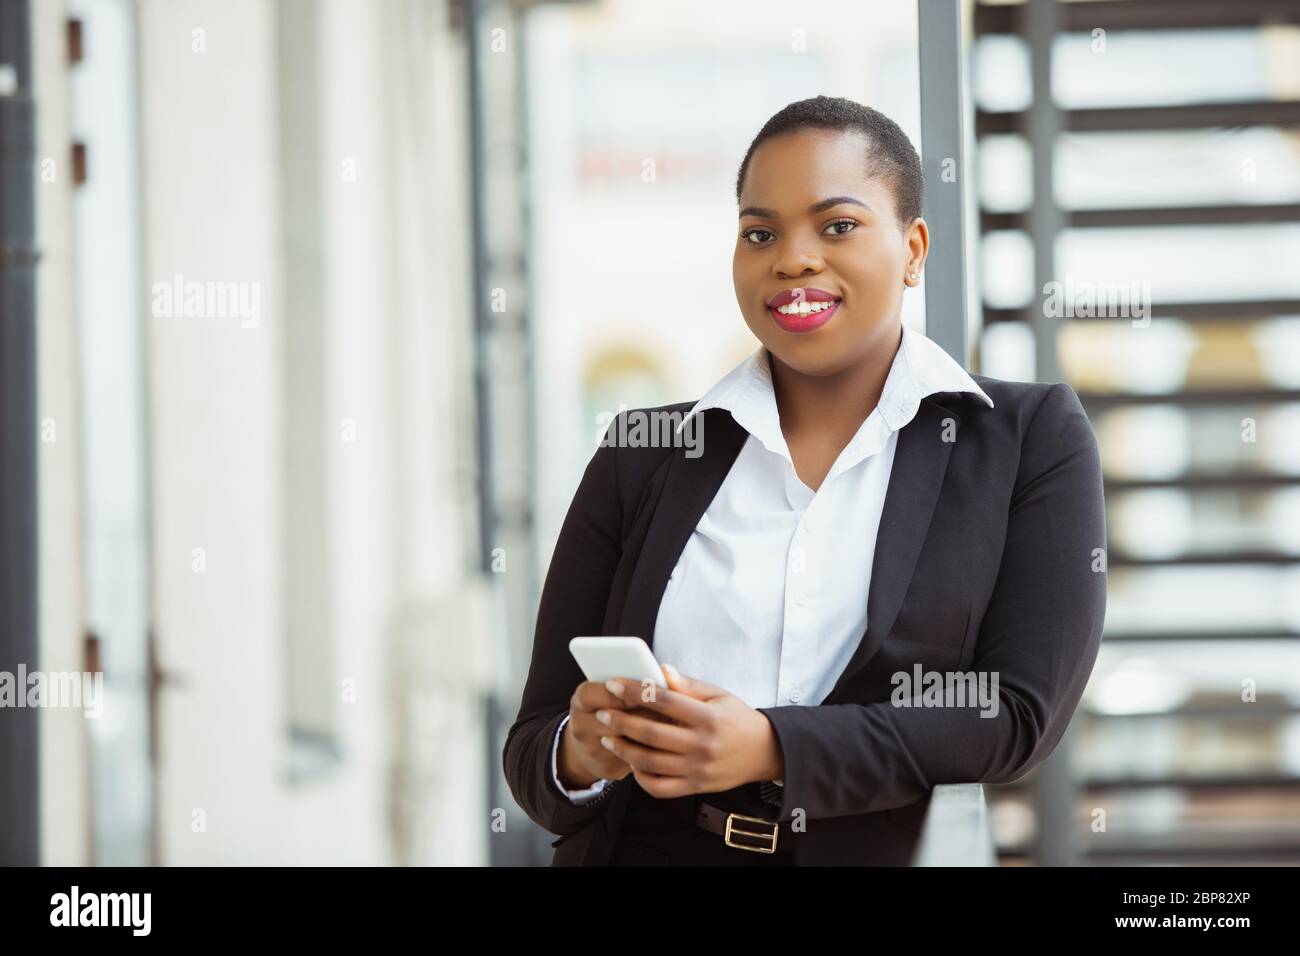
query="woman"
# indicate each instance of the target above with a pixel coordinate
(876, 574)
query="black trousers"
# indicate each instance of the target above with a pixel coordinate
(661, 833)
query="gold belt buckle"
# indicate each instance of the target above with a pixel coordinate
(731, 828)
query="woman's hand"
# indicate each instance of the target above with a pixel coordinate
(581, 760)
(695, 738)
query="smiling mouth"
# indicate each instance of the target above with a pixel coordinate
(805, 316)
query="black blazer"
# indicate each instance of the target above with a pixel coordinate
(990, 557)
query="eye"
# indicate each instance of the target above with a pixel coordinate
(749, 233)
(842, 222)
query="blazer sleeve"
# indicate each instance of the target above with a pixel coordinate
(582, 795)
(1040, 634)
(574, 596)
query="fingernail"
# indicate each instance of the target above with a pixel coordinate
(614, 687)
(670, 667)
(602, 716)
(607, 743)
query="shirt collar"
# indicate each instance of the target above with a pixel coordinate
(920, 368)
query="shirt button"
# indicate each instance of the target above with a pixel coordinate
(801, 600)
(795, 695)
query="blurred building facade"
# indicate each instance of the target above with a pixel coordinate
(332, 314)
(259, 512)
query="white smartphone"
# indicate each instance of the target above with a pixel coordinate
(604, 658)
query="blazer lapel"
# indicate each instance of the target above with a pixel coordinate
(690, 485)
(920, 461)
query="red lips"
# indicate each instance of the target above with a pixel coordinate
(786, 296)
(800, 322)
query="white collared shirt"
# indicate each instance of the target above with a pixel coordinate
(768, 599)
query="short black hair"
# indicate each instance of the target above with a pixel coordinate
(890, 154)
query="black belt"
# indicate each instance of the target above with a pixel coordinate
(747, 828)
(756, 834)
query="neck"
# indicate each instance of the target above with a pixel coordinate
(835, 403)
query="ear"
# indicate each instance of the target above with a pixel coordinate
(917, 239)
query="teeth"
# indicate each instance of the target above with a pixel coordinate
(803, 308)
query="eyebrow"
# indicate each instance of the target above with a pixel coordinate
(764, 213)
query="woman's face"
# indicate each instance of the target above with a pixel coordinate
(815, 226)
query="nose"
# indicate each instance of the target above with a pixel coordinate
(797, 264)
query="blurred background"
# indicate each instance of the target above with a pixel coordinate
(314, 312)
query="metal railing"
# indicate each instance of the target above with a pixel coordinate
(957, 831)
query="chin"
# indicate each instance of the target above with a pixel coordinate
(811, 354)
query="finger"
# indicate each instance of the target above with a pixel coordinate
(587, 731)
(671, 703)
(647, 728)
(611, 767)
(585, 720)
(663, 787)
(699, 689)
(584, 738)
(640, 757)
(592, 695)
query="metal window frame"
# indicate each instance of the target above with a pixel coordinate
(19, 644)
